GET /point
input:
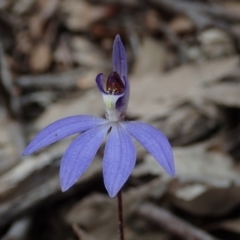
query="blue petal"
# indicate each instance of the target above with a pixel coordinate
(119, 58)
(122, 102)
(119, 159)
(154, 142)
(99, 81)
(80, 154)
(61, 129)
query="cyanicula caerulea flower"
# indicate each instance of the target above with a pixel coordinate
(120, 153)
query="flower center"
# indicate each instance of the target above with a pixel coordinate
(115, 84)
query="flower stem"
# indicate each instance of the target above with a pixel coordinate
(120, 216)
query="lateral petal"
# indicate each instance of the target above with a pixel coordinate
(80, 154)
(154, 142)
(99, 82)
(61, 129)
(122, 102)
(119, 159)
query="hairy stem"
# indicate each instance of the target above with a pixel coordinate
(120, 216)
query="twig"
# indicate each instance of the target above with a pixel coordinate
(171, 223)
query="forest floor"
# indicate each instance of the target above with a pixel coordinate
(184, 73)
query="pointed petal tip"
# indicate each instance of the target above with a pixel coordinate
(27, 151)
(113, 191)
(64, 183)
(172, 173)
(117, 43)
(170, 160)
(24, 154)
(117, 38)
(64, 188)
(112, 194)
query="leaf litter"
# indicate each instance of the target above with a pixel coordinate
(184, 73)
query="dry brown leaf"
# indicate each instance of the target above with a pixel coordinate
(22, 6)
(211, 167)
(9, 151)
(189, 123)
(81, 233)
(62, 54)
(29, 165)
(40, 58)
(154, 94)
(208, 183)
(4, 4)
(231, 7)
(18, 229)
(86, 80)
(23, 42)
(85, 53)
(89, 103)
(152, 56)
(181, 24)
(232, 225)
(207, 167)
(40, 185)
(80, 14)
(206, 201)
(151, 19)
(47, 8)
(226, 94)
(104, 226)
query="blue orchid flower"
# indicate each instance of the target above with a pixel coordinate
(120, 153)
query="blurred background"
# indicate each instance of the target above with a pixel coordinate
(185, 80)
